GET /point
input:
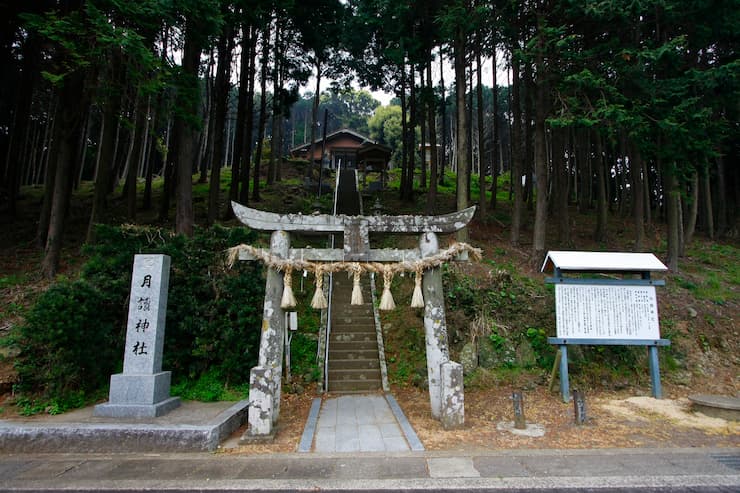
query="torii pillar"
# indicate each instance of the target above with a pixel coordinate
(265, 379)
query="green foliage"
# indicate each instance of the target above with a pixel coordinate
(210, 387)
(385, 127)
(74, 335)
(303, 356)
(544, 350)
(210, 318)
(69, 344)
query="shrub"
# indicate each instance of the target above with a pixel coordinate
(69, 342)
(73, 337)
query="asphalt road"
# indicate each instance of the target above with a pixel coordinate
(608, 470)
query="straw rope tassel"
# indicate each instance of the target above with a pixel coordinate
(288, 300)
(319, 300)
(386, 301)
(356, 290)
(417, 299)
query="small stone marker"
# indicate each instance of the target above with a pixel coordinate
(519, 421)
(579, 407)
(143, 389)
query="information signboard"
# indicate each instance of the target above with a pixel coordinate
(606, 312)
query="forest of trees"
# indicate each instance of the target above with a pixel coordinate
(620, 107)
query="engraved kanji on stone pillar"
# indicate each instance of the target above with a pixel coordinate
(143, 389)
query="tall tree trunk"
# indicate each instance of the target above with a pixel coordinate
(241, 116)
(408, 192)
(205, 148)
(314, 121)
(422, 117)
(404, 133)
(482, 167)
(638, 198)
(647, 204)
(540, 151)
(111, 110)
(516, 152)
(170, 170)
(690, 224)
(723, 222)
(276, 110)
(582, 144)
(72, 109)
(221, 90)
(249, 118)
(561, 191)
(184, 218)
(50, 175)
(707, 196)
(463, 165)
(602, 204)
(495, 133)
(21, 118)
(672, 197)
(263, 112)
(433, 160)
(443, 114)
(528, 135)
(154, 158)
(138, 138)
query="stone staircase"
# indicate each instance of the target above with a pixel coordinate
(354, 364)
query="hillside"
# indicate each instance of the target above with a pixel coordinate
(501, 301)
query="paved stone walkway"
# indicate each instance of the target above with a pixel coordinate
(361, 423)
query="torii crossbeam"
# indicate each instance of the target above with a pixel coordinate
(356, 230)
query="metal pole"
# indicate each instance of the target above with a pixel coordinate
(564, 384)
(655, 372)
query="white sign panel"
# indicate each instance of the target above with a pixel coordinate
(606, 312)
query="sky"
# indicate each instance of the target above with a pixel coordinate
(385, 97)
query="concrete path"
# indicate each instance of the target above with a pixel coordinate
(360, 423)
(606, 470)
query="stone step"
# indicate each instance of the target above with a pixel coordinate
(352, 323)
(358, 354)
(354, 375)
(356, 332)
(354, 385)
(350, 364)
(341, 309)
(354, 345)
(352, 329)
(353, 337)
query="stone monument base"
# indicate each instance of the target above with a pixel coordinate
(138, 396)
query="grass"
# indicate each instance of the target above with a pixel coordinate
(715, 273)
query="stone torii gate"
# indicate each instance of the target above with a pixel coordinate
(445, 376)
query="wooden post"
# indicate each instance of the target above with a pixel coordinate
(554, 371)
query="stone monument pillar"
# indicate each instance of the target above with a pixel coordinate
(143, 389)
